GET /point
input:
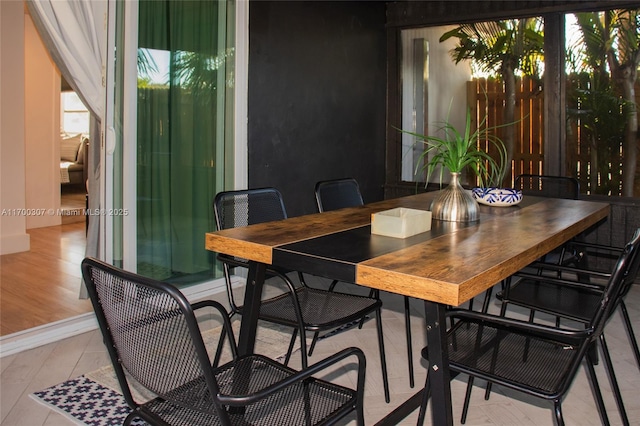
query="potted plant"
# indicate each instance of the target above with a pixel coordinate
(456, 151)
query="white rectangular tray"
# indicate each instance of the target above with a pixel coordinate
(400, 222)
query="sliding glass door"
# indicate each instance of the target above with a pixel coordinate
(175, 148)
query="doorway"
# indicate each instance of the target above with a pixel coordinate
(74, 125)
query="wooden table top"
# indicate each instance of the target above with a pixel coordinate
(449, 264)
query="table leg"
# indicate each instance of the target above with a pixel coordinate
(439, 374)
(251, 308)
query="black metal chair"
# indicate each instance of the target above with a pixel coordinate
(552, 187)
(337, 194)
(300, 306)
(341, 193)
(152, 334)
(548, 186)
(573, 294)
(562, 187)
(537, 359)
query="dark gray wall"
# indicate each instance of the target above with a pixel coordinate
(316, 106)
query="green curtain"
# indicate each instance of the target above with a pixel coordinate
(182, 44)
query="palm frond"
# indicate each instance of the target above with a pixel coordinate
(491, 44)
(457, 150)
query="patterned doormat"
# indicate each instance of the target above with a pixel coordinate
(95, 399)
(86, 402)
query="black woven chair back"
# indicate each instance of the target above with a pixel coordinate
(337, 194)
(150, 331)
(623, 276)
(548, 186)
(632, 273)
(233, 209)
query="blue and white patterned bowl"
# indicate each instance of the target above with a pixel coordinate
(497, 196)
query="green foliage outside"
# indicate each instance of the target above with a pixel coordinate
(602, 71)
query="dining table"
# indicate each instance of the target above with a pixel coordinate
(445, 266)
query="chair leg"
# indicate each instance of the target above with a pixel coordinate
(487, 392)
(594, 357)
(360, 413)
(374, 294)
(467, 399)
(383, 358)
(407, 323)
(557, 410)
(630, 333)
(494, 360)
(425, 399)
(218, 355)
(595, 390)
(291, 343)
(333, 285)
(487, 300)
(303, 348)
(301, 279)
(606, 356)
(313, 342)
(307, 404)
(503, 309)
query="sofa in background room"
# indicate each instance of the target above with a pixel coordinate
(73, 159)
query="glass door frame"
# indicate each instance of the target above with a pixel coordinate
(119, 245)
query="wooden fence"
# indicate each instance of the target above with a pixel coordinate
(486, 97)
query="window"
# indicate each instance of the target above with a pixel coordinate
(433, 91)
(475, 66)
(574, 114)
(75, 116)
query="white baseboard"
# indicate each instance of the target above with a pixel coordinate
(52, 332)
(47, 333)
(14, 243)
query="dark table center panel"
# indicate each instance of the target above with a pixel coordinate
(336, 255)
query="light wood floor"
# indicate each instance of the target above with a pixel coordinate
(73, 199)
(48, 365)
(42, 285)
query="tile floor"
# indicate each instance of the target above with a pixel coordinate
(47, 365)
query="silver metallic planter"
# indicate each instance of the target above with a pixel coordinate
(454, 204)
